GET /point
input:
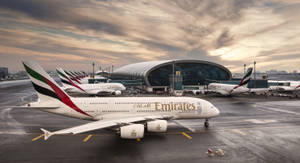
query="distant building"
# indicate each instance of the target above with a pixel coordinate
(156, 75)
(3, 72)
(276, 72)
(102, 73)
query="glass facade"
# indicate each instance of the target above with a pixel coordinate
(192, 74)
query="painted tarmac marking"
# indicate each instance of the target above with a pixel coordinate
(186, 135)
(15, 126)
(280, 110)
(260, 121)
(87, 138)
(239, 132)
(38, 137)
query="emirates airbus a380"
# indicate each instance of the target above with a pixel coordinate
(129, 116)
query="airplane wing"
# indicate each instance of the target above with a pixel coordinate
(222, 92)
(34, 107)
(97, 91)
(101, 124)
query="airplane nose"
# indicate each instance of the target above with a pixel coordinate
(215, 112)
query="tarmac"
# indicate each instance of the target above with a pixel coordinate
(249, 129)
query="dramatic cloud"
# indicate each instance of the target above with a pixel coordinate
(75, 33)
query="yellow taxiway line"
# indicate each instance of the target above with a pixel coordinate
(87, 138)
(38, 137)
(239, 132)
(186, 135)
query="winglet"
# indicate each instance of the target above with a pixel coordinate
(47, 134)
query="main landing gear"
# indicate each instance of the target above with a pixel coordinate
(206, 124)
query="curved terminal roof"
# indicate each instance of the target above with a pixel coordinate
(139, 69)
(142, 69)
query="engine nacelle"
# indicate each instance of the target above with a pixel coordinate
(117, 93)
(196, 92)
(157, 126)
(133, 131)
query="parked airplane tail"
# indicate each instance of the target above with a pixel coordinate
(246, 78)
(84, 74)
(62, 77)
(47, 89)
(72, 77)
(78, 75)
(45, 86)
(65, 79)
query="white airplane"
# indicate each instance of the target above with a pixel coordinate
(90, 89)
(284, 86)
(230, 89)
(127, 115)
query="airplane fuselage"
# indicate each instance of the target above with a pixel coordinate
(227, 89)
(95, 89)
(107, 107)
(284, 88)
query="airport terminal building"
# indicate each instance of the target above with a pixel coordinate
(156, 74)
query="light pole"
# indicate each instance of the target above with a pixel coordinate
(93, 69)
(254, 74)
(173, 76)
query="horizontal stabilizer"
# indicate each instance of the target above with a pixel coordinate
(47, 134)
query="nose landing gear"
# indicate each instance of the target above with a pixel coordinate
(206, 124)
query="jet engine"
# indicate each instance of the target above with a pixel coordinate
(117, 93)
(157, 126)
(196, 92)
(133, 131)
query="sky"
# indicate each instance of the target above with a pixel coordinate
(74, 33)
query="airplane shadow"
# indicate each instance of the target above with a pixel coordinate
(115, 149)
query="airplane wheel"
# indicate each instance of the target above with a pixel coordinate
(206, 124)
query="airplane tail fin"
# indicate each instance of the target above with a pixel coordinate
(72, 76)
(65, 79)
(62, 77)
(246, 78)
(47, 88)
(84, 74)
(79, 76)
